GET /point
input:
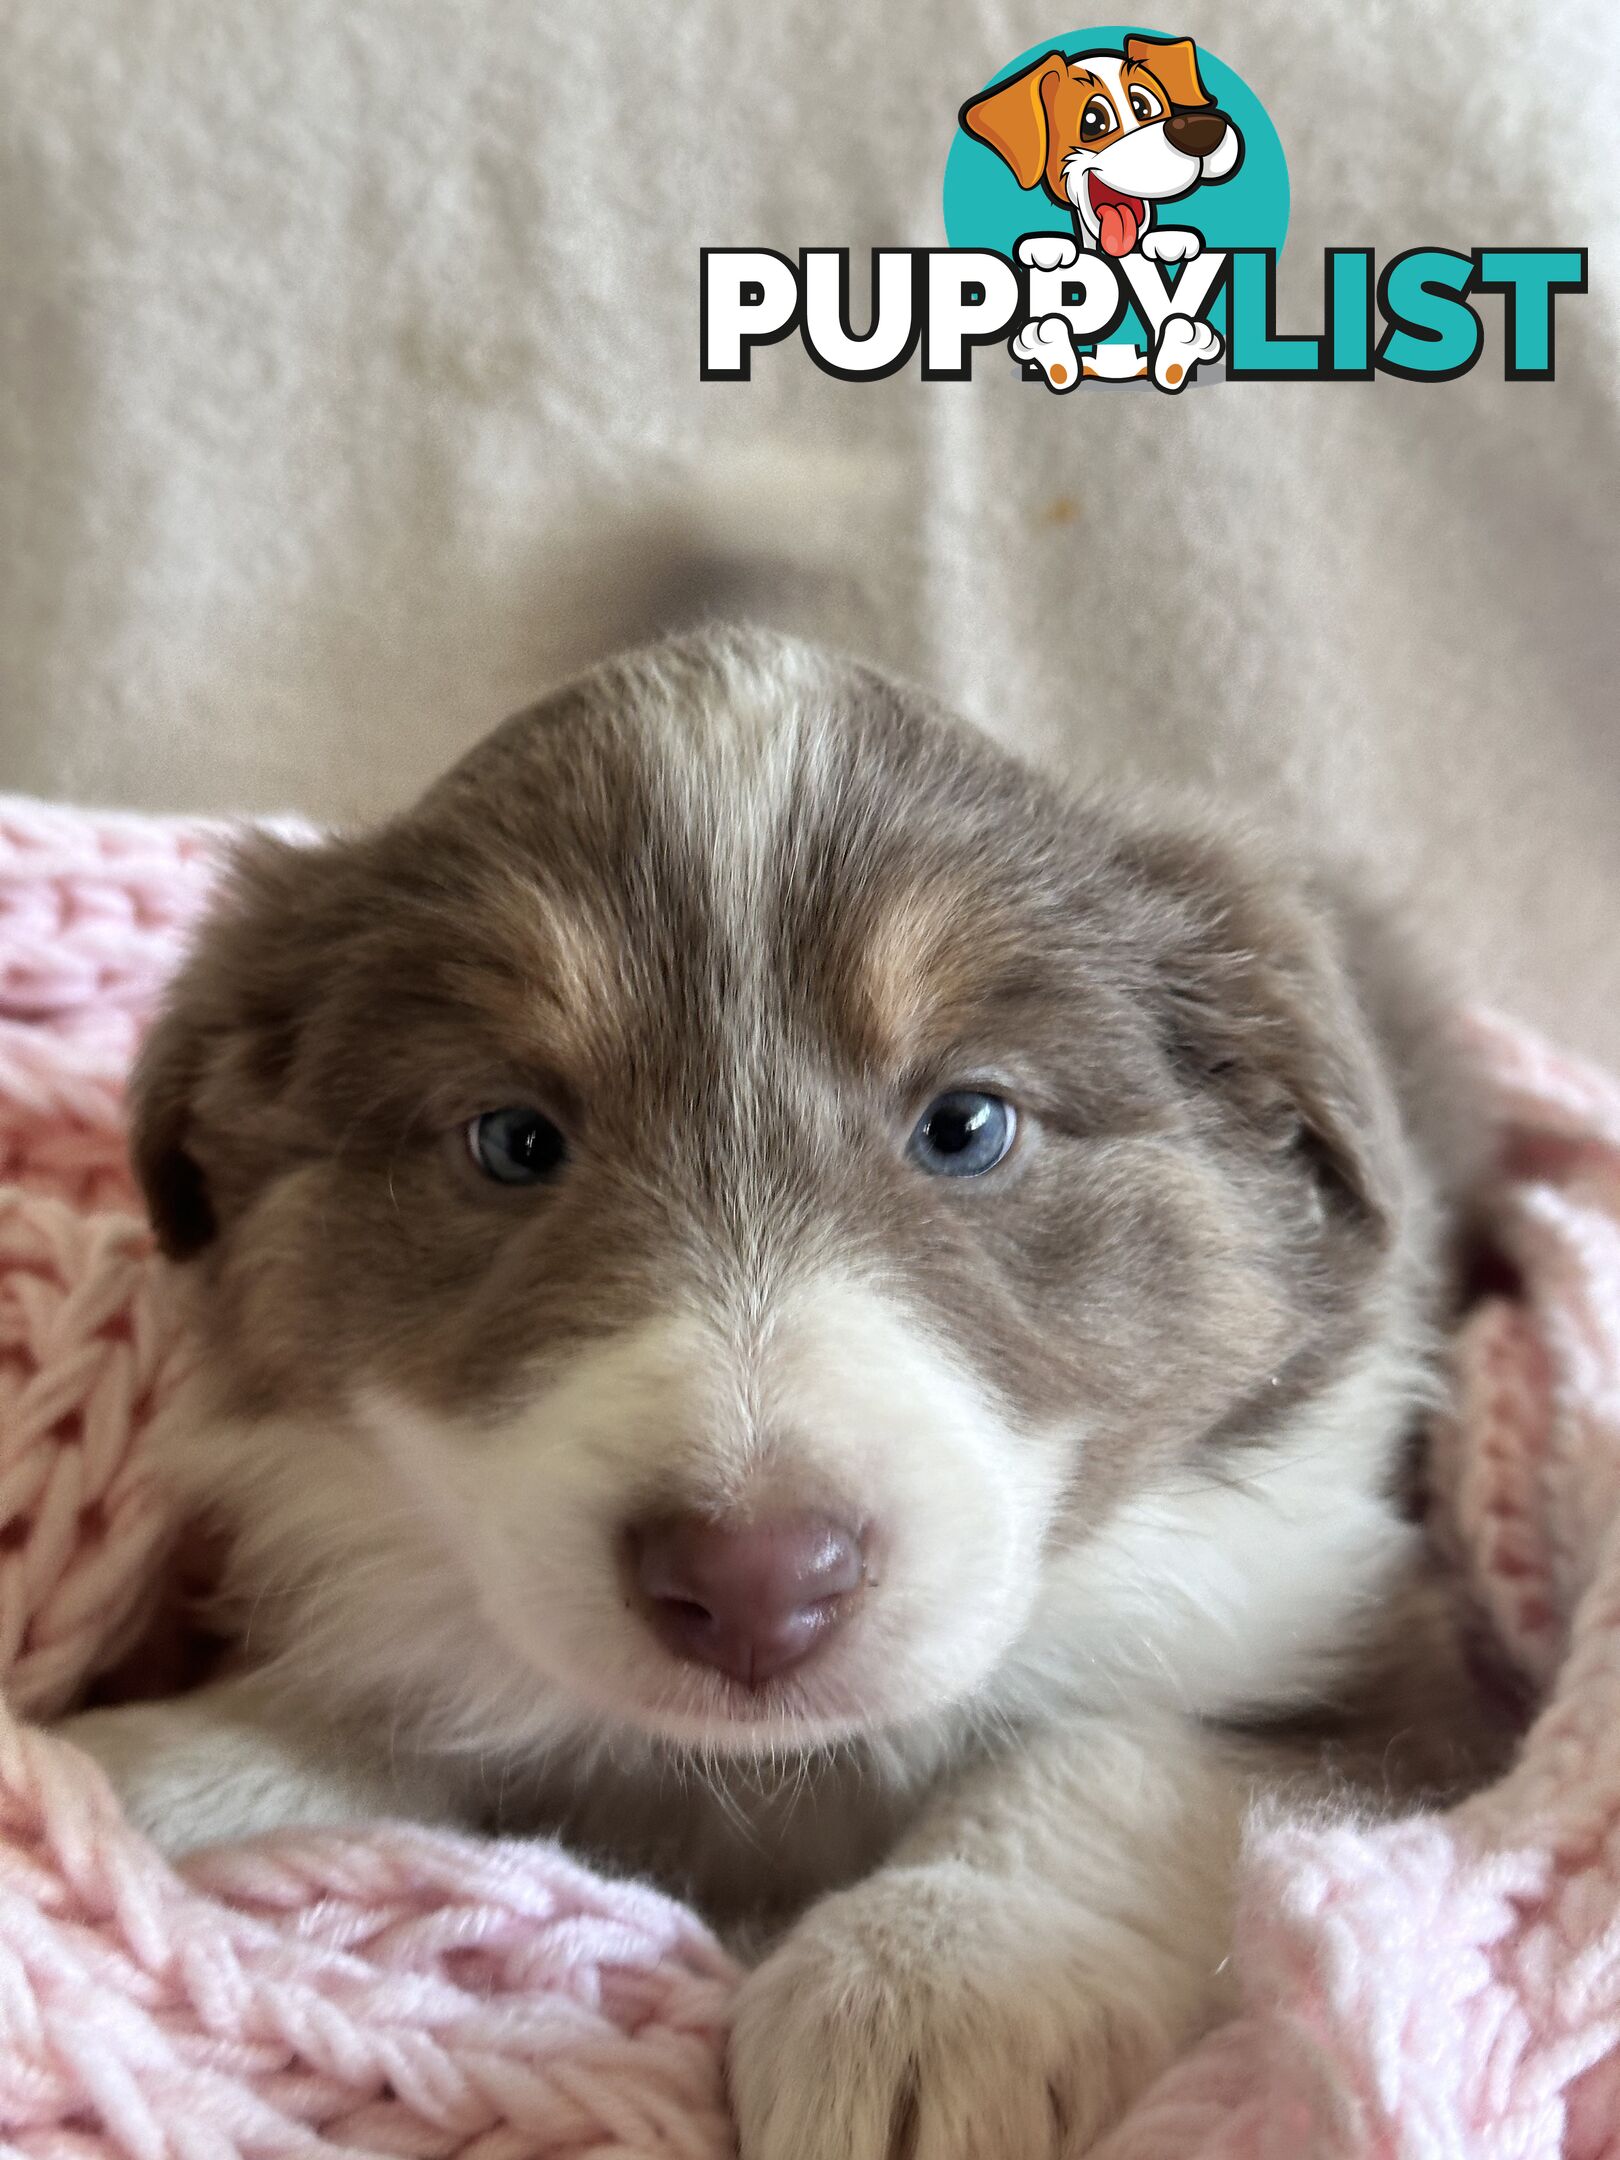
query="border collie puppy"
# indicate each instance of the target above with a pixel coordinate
(791, 1304)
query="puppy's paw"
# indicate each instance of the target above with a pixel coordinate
(935, 2010)
(1048, 345)
(1182, 344)
(1171, 243)
(1047, 251)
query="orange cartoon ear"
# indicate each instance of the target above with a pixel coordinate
(1175, 62)
(1012, 119)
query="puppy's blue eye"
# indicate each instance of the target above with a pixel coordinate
(963, 1134)
(516, 1146)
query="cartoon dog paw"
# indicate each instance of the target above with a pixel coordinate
(1182, 345)
(1047, 251)
(1047, 343)
(1171, 243)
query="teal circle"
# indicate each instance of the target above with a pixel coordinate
(986, 208)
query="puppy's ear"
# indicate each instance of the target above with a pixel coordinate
(1013, 119)
(1260, 1010)
(206, 1115)
(1291, 1053)
(170, 1176)
(1175, 62)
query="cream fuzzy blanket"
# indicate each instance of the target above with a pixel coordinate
(348, 355)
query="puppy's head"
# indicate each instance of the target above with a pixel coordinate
(701, 1219)
(1108, 135)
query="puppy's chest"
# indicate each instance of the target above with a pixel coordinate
(748, 1844)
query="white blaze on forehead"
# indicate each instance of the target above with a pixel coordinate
(738, 726)
(736, 740)
(742, 745)
(1109, 69)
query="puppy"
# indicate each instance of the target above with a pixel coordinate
(789, 1303)
(1110, 135)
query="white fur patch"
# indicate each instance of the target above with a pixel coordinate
(1182, 344)
(1048, 251)
(1171, 244)
(1049, 345)
(419, 1538)
(1246, 1582)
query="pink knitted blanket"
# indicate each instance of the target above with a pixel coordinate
(1445, 1987)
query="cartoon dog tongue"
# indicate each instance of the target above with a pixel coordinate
(1118, 225)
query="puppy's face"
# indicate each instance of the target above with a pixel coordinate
(739, 1186)
(1109, 135)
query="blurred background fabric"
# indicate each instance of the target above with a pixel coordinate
(349, 396)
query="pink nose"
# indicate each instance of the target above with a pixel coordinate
(749, 1599)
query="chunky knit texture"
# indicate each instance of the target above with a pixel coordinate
(1446, 1988)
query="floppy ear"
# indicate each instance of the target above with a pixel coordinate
(170, 1176)
(1012, 119)
(208, 1117)
(1175, 62)
(1260, 1010)
(1280, 1036)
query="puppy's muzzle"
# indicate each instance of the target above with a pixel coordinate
(749, 1599)
(1199, 134)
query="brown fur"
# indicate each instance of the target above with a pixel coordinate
(1219, 1157)
(1033, 119)
(732, 913)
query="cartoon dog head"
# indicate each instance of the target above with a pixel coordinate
(1109, 135)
